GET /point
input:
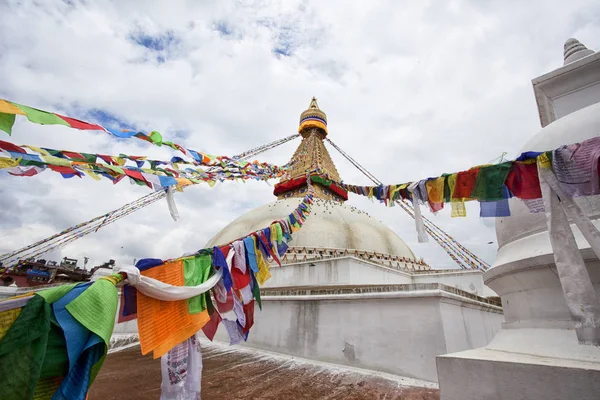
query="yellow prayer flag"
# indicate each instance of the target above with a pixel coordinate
(263, 273)
(435, 190)
(57, 161)
(9, 162)
(183, 182)
(9, 108)
(91, 174)
(7, 318)
(544, 161)
(37, 150)
(458, 205)
(458, 208)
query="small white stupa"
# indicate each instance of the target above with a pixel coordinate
(537, 354)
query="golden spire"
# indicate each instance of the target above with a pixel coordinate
(312, 157)
(313, 117)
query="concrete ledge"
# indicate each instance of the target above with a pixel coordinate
(380, 291)
(488, 374)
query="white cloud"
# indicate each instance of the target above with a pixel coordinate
(411, 91)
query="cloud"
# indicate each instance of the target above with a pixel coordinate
(411, 91)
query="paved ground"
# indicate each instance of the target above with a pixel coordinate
(233, 373)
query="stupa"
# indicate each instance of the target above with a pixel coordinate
(336, 229)
(539, 353)
(349, 290)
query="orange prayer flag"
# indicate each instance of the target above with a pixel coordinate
(164, 324)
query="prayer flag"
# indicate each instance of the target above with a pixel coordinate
(465, 182)
(6, 122)
(41, 117)
(523, 180)
(490, 182)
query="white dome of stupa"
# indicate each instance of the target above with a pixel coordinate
(331, 225)
(573, 128)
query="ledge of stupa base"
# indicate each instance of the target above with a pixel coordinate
(350, 270)
(353, 292)
(523, 364)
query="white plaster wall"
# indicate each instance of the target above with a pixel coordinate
(466, 327)
(572, 102)
(341, 271)
(401, 336)
(469, 281)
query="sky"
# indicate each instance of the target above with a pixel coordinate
(411, 90)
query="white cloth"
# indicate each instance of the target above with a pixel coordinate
(238, 309)
(575, 281)
(239, 260)
(181, 370)
(153, 179)
(163, 291)
(171, 203)
(235, 332)
(11, 304)
(247, 295)
(419, 224)
(229, 258)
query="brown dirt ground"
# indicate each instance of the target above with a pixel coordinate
(231, 374)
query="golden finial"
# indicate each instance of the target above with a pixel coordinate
(313, 117)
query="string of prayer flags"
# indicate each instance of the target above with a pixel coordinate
(70, 164)
(8, 111)
(576, 167)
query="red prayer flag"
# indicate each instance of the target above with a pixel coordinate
(137, 175)
(225, 250)
(210, 329)
(11, 147)
(465, 182)
(107, 159)
(249, 312)
(523, 181)
(72, 154)
(63, 169)
(77, 124)
(30, 172)
(227, 306)
(240, 280)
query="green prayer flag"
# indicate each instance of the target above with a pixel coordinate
(279, 232)
(490, 182)
(114, 168)
(56, 359)
(196, 270)
(55, 293)
(6, 122)
(91, 158)
(256, 290)
(447, 192)
(27, 163)
(22, 350)
(41, 117)
(170, 144)
(156, 138)
(96, 308)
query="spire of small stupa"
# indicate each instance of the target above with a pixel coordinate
(574, 50)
